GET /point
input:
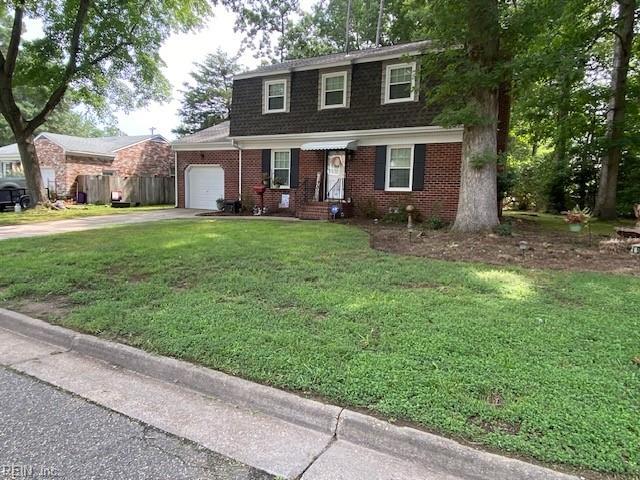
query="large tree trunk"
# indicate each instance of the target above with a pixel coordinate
(477, 208)
(31, 166)
(606, 199)
(477, 205)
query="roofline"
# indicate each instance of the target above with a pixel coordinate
(141, 141)
(317, 66)
(44, 134)
(81, 153)
(423, 134)
(191, 146)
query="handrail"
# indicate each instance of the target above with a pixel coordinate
(331, 191)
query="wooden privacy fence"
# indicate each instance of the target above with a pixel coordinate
(143, 190)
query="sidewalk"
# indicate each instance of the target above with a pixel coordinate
(268, 429)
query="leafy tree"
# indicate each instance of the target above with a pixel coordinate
(615, 134)
(70, 117)
(207, 98)
(266, 24)
(104, 51)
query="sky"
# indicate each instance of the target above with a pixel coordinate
(179, 53)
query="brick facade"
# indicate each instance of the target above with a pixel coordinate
(147, 158)
(439, 196)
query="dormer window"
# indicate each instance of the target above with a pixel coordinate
(334, 90)
(275, 96)
(400, 83)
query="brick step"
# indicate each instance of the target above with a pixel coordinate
(314, 211)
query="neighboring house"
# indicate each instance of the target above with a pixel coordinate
(354, 121)
(63, 157)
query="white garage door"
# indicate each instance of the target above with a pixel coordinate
(204, 185)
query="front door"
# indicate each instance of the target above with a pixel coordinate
(335, 175)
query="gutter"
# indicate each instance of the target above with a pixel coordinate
(175, 177)
(236, 146)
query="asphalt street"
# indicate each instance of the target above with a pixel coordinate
(48, 433)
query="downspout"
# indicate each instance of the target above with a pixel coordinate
(175, 177)
(236, 146)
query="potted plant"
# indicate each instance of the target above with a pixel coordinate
(220, 203)
(577, 218)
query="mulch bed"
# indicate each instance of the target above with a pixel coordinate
(544, 249)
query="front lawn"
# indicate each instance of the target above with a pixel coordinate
(539, 363)
(42, 214)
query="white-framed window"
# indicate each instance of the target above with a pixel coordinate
(11, 169)
(400, 83)
(275, 96)
(399, 172)
(334, 90)
(280, 168)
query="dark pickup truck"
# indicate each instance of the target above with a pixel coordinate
(10, 196)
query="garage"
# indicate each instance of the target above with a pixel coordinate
(204, 185)
(48, 179)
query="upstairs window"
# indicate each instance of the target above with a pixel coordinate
(280, 168)
(275, 98)
(399, 168)
(334, 90)
(400, 83)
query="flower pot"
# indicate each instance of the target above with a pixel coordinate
(575, 227)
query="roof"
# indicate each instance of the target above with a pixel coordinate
(99, 146)
(334, 59)
(10, 151)
(218, 134)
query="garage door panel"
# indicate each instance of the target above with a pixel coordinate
(205, 184)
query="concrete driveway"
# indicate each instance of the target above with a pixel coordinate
(89, 223)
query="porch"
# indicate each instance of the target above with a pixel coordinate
(325, 192)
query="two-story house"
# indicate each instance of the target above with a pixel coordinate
(349, 128)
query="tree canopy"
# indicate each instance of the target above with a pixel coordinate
(207, 98)
(105, 52)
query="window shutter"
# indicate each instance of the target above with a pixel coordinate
(419, 160)
(295, 161)
(266, 164)
(380, 167)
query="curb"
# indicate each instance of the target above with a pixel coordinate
(345, 425)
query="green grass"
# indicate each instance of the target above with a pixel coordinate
(549, 222)
(42, 214)
(537, 363)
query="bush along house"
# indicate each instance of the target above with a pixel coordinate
(347, 130)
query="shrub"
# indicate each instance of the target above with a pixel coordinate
(369, 209)
(398, 214)
(504, 229)
(434, 222)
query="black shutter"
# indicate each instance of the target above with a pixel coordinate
(295, 161)
(419, 159)
(380, 167)
(266, 165)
